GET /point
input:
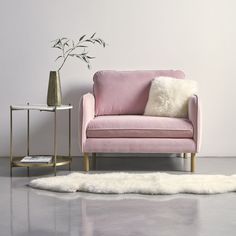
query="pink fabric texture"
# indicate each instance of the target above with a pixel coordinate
(139, 126)
(125, 92)
(195, 117)
(87, 109)
(139, 145)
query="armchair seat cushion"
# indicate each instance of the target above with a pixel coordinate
(139, 126)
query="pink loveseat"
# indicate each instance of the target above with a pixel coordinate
(112, 119)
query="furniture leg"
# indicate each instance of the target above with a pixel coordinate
(70, 138)
(94, 160)
(193, 158)
(28, 130)
(55, 141)
(28, 137)
(86, 162)
(10, 141)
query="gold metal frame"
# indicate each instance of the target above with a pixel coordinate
(58, 160)
(61, 160)
(86, 162)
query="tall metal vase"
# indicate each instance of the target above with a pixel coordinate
(54, 96)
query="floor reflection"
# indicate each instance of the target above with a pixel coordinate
(37, 212)
(25, 211)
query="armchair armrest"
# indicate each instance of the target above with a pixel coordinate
(87, 113)
(194, 116)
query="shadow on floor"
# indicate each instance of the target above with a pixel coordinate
(107, 163)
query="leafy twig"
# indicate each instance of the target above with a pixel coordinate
(68, 48)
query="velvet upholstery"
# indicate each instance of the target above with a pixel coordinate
(111, 120)
(86, 112)
(139, 145)
(194, 114)
(125, 92)
(139, 126)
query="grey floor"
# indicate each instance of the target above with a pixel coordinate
(25, 211)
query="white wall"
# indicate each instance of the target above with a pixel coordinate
(198, 37)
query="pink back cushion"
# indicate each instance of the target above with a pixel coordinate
(125, 92)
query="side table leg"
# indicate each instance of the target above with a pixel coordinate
(70, 139)
(11, 141)
(28, 131)
(55, 141)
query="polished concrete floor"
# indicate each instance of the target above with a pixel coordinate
(25, 211)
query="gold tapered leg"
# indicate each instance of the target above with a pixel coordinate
(86, 162)
(193, 158)
(94, 160)
(185, 155)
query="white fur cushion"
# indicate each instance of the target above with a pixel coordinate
(169, 97)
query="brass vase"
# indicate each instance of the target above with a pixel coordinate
(54, 96)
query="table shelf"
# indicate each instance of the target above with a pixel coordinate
(61, 161)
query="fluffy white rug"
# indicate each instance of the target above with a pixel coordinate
(148, 183)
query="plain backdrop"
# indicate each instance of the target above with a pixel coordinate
(198, 37)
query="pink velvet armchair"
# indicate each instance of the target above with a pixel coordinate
(112, 119)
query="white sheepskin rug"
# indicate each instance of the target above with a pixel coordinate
(169, 97)
(147, 183)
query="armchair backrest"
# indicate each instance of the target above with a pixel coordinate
(125, 92)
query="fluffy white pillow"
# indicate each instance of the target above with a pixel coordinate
(169, 97)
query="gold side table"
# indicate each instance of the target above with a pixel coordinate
(57, 160)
